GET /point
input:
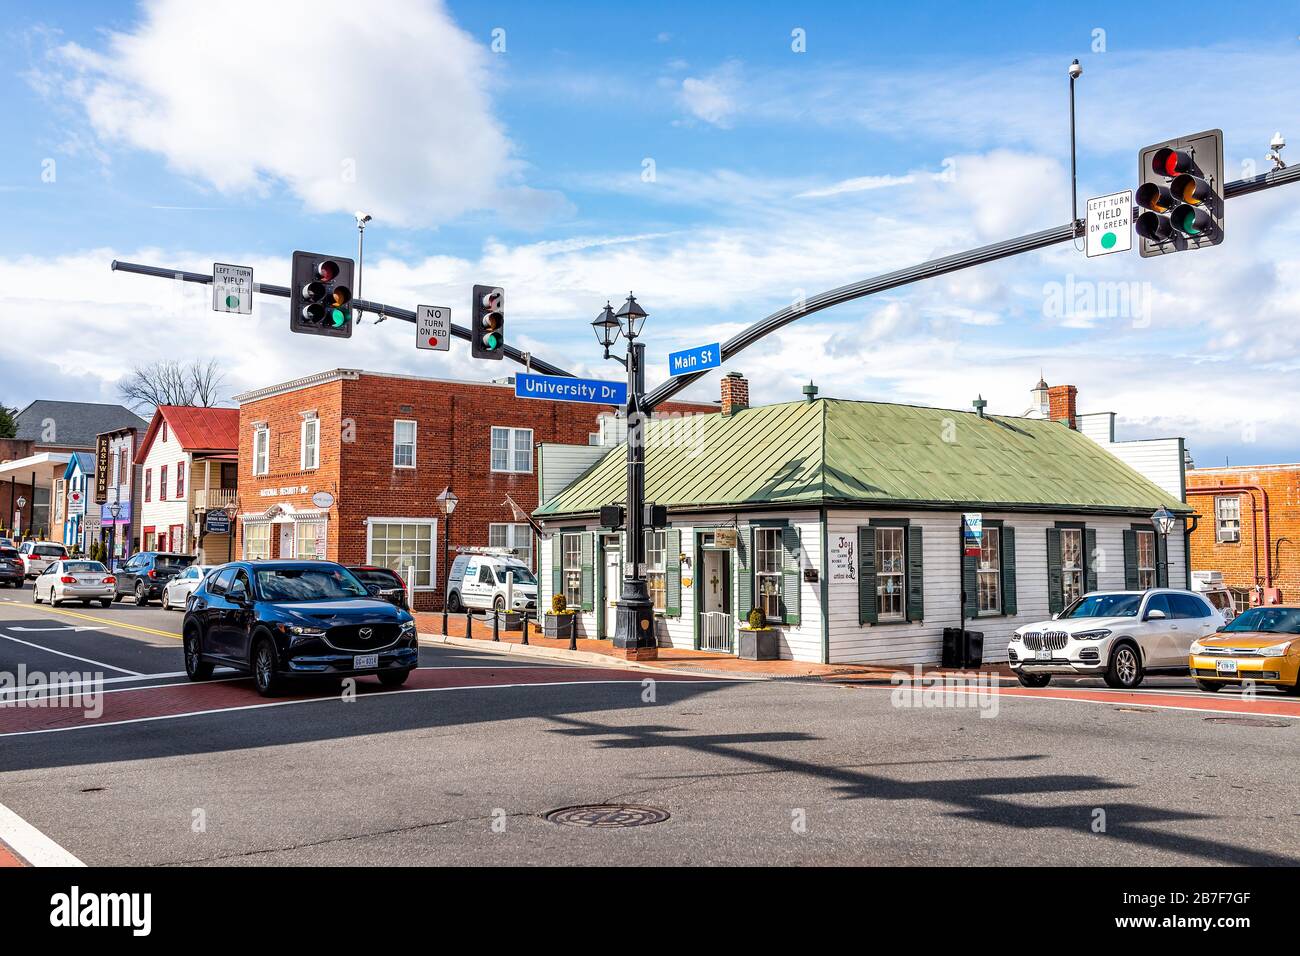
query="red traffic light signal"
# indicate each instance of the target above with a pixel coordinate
(320, 295)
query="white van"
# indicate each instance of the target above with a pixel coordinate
(478, 581)
(1209, 585)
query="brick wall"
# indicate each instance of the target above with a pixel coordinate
(1062, 404)
(453, 448)
(1237, 561)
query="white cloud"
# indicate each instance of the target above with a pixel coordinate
(856, 185)
(712, 98)
(385, 109)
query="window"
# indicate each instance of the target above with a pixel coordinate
(164, 431)
(306, 536)
(148, 484)
(655, 546)
(989, 571)
(571, 567)
(162, 483)
(767, 572)
(1072, 564)
(403, 443)
(401, 544)
(517, 537)
(261, 451)
(309, 456)
(512, 450)
(1146, 544)
(180, 479)
(257, 540)
(1227, 519)
(1188, 606)
(890, 574)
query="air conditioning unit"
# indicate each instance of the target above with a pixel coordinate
(1207, 577)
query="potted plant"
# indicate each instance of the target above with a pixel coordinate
(757, 641)
(559, 621)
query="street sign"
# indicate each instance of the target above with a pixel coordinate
(562, 388)
(232, 288)
(101, 469)
(972, 532)
(433, 327)
(323, 500)
(1109, 225)
(217, 522)
(695, 360)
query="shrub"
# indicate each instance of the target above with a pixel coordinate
(559, 605)
(757, 620)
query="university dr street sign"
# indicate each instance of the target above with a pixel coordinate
(562, 388)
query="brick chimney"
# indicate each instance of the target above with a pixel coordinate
(735, 393)
(1062, 405)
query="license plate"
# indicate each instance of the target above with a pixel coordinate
(1226, 667)
(1044, 654)
(365, 661)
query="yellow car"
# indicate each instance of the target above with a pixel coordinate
(1260, 645)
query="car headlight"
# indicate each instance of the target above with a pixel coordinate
(408, 628)
(1275, 650)
(298, 633)
(1016, 638)
(1096, 635)
(1197, 647)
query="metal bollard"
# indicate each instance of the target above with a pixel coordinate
(496, 625)
(573, 633)
(525, 639)
(469, 623)
(444, 622)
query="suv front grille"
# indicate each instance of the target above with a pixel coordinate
(1052, 640)
(350, 637)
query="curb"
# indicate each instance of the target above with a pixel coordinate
(583, 657)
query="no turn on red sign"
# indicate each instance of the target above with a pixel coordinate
(433, 327)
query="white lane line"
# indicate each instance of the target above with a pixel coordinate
(89, 725)
(27, 689)
(30, 843)
(84, 660)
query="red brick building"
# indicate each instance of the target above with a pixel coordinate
(347, 465)
(1249, 528)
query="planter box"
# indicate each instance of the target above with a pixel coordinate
(759, 645)
(559, 625)
(511, 620)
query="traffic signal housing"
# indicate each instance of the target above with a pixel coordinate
(320, 295)
(488, 323)
(1180, 194)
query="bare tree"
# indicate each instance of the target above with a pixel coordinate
(172, 383)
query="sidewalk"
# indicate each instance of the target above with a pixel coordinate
(703, 662)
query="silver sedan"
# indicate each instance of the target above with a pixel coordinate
(176, 592)
(74, 580)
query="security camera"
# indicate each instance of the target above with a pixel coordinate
(1076, 70)
(1275, 156)
(362, 217)
(1277, 142)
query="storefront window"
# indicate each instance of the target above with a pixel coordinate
(890, 574)
(309, 533)
(402, 545)
(767, 571)
(989, 572)
(257, 540)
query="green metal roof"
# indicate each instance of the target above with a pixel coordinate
(840, 452)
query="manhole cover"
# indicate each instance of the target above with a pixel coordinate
(607, 815)
(1249, 721)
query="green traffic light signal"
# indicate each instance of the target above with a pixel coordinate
(232, 302)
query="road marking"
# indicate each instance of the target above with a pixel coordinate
(27, 689)
(30, 843)
(57, 627)
(104, 620)
(84, 660)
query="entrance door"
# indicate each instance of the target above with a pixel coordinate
(715, 602)
(286, 541)
(612, 586)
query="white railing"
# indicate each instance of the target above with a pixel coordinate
(208, 499)
(715, 631)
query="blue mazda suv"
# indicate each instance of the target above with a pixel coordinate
(290, 619)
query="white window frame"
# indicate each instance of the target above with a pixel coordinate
(1227, 524)
(306, 462)
(262, 438)
(510, 534)
(254, 524)
(571, 574)
(899, 574)
(1074, 581)
(768, 571)
(512, 450)
(298, 540)
(431, 524)
(988, 571)
(413, 443)
(1146, 572)
(656, 553)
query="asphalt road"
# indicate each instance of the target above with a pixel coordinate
(461, 767)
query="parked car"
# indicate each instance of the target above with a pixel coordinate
(176, 592)
(391, 586)
(69, 580)
(145, 574)
(39, 555)
(12, 571)
(478, 580)
(282, 620)
(1209, 585)
(8, 543)
(1261, 644)
(1120, 636)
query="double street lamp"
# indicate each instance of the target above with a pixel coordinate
(634, 633)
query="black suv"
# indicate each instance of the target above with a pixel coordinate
(11, 567)
(286, 619)
(144, 574)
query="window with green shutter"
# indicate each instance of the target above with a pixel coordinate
(891, 572)
(588, 570)
(867, 575)
(1071, 564)
(744, 572)
(1009, 605)
(1131, 580)
(915, 574)
(557, 567)
(791, 574)
(673, 572)
(1055, 583)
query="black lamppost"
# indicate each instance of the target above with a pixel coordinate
(447, 502)
(1164, 520)
(114, 511)
(634, 633)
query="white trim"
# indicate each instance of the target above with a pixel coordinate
(511, 450)
(415, 442)
(266, 464)
(314, 422)
(430, 522)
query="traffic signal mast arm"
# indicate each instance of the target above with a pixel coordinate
(927, 270)
(405, 315)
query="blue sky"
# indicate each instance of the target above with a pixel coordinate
(687, 151)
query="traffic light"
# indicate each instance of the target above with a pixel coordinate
(488, 327)
(1180, 194)
(320, 295)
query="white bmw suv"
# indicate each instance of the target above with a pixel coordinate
(1120, 636)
